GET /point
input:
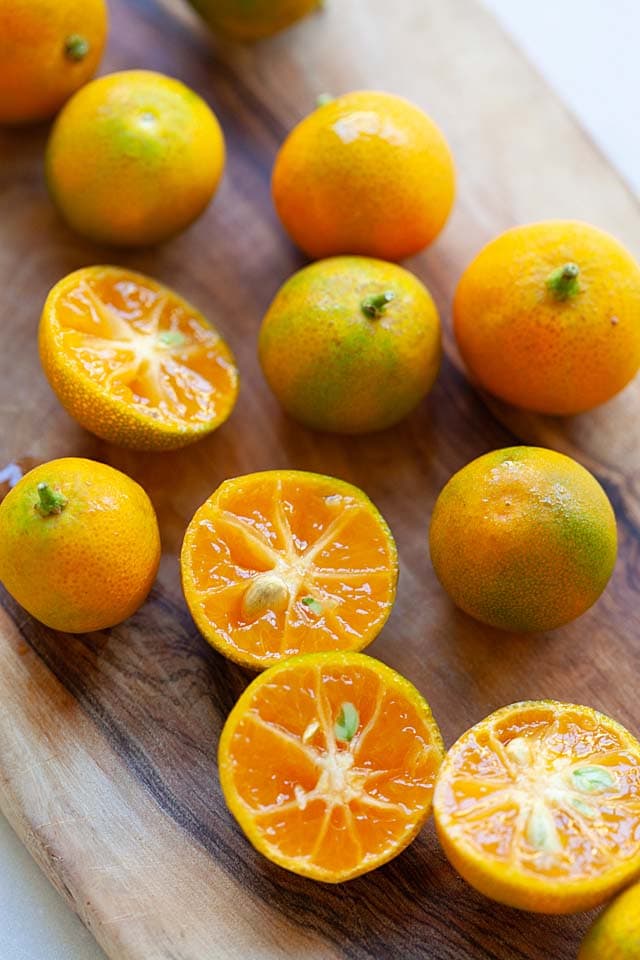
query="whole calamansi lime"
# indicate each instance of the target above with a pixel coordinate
(351, 344)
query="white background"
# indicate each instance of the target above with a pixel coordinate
(589, 51)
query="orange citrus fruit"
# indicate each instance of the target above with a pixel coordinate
(79, 544)
(547, 317)
(366, 173)
(286, 562)
(523, 539)
(133, 362)
(134, 158)
(249, 20)
(328, 761)
(351, 344)
(615, 934)
(48, 48)
(538, 806)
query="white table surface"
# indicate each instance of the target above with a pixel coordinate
(588, 51)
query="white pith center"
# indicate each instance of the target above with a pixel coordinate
(338, 782)
(276, 588)
(571, 785)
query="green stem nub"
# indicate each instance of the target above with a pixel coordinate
(49, 501)
(76, 47)
(563, 283)
(373, 305)
(323, 99)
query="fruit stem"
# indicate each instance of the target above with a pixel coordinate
(49, 501)
(373, 305)
(323, 99)
(563, 282)
(76, 47)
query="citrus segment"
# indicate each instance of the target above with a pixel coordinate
(328, 763)
(286, 562)
(538, 806)
(133, 362)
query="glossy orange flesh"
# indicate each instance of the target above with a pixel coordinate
(312, 801)
(322, 538)
(538, 806)
(133, 362)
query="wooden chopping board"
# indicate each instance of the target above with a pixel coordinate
(108, 741)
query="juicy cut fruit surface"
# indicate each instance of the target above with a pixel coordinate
(351, 344)
(133, 362)
(615, 934)
(547, 317)
(249, 20)
(367, 173)
(134, 158)
(79, 544)
(328, 763)
(48, 48)
(523, 539)
(286, 562)
(538, 806)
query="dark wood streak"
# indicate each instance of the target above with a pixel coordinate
(152, 719)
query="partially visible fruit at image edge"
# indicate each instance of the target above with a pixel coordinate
(285, 562)
(538, 807)
(351, 344)
(134, 158)
(79, 544)
(250, 20)
(48, 49)
(328, 761)
(615, 934)
(523, 539)
(133, 362)
(366, 173)
(547, 317)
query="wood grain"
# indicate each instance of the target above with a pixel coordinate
(108, 741)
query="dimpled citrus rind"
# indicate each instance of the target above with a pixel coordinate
(247, 23)
(367, 173)
(37, 73)
(89, 567)
(94, 407)
(134, 158)
(512, 885)
(523, 539)
(195, 596)
(342, 662)
(551, 356)
(615, 933)
(333, 368)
